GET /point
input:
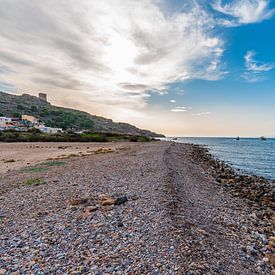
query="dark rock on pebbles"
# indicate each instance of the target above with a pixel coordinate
(120, 200)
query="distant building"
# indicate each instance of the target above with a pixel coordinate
(5, 120)
(50, 130)
(31, 119)
(42, 96)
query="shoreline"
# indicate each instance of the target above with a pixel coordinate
(237, 168)
(228, 176)
(177, 217)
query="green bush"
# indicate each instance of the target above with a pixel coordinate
(33, 108)
(36, 169)
(34, 135)
(133, 139)
(54, 163)
(35, 182)
(20, 107)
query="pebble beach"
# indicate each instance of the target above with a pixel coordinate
(133, 208)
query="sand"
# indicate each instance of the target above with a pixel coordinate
(14, 156)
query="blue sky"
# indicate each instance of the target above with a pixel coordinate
(179, 67)
(233, 96)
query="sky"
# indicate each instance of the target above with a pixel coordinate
(177, 67)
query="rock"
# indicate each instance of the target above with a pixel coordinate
(272, 259)
(120, 224)
(253, 216)
(89, 210)
(251, 250)
(103, 197)
(109, 201)
(106, 200)
(78, 201)
(203, 232)
(120, 200)
(3, 271)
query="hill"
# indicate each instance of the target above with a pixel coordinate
(66, 118)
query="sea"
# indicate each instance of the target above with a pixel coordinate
(246, 155)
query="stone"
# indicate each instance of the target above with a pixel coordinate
(253, 216)
(78, 201)
(89, 210)
(3, 271)
(103, 197)
(272, 259)
(251, 250)
(106, 200)
(120, 224)
(120, 200)
(109, 201)
(203, 232)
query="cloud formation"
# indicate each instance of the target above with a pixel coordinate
(255, 69)
(202, 114)
(243, 11)
(181, 109)
(99, 56)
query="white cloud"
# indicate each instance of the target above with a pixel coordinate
(243, 11)
(256, 66)
(96, 55)
(173, 101)
(181, 109)
(255, 69)
(202, 114)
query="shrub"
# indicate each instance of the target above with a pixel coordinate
(54, 163)
(133, 139)
(20, 107)
(36, 169)
(35, 181)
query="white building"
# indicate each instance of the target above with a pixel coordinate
(50, 130)
(5, 120)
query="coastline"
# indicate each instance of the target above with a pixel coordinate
(185, 212)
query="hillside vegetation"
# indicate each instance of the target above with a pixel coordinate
(34, 135)
(53, 116)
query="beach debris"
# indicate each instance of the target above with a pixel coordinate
(9, 160)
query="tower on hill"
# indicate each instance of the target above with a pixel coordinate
(42, 96)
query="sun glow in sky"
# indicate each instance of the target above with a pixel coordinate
(178, 67)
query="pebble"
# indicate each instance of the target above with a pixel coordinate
(103, 217)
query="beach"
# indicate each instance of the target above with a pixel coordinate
(14, 156)
(130, 208)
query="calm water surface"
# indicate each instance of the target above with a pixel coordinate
(249, 155)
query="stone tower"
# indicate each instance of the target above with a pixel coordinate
(42, 96)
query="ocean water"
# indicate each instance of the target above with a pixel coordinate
(247, 155)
